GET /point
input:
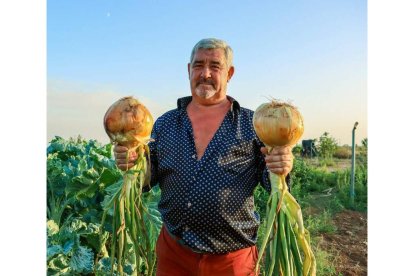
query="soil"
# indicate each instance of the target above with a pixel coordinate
(348, 243)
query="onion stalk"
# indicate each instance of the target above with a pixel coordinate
(129, 123)
(285, 239)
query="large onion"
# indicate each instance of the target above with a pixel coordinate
(278, 124)
(281, 124)
(128, 122)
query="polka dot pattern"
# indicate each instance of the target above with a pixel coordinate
(209, 202)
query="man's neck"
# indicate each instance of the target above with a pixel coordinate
(201, 105)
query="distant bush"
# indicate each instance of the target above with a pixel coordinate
(297, 149)
(343, 152)
(326, 146)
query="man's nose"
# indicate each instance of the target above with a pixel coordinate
(206, 73)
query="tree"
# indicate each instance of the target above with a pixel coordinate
(364, 150)
(326, 145)
(365, 143)
(297, 149)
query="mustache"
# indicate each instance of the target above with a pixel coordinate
(206, 81)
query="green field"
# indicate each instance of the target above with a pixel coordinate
(82, 176)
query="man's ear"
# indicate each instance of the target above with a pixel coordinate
(230, 73)
(188, 68)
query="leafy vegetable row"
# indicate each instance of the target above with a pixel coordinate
(81, 180)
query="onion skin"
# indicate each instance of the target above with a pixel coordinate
(128, 122)
(278, 124)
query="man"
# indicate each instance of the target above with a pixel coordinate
(207, 160)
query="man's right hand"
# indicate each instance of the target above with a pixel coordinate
(121, 153)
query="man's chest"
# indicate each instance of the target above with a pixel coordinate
(205, 125)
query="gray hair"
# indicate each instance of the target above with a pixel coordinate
(214, 43)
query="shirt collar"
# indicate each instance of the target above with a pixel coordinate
(184, 101)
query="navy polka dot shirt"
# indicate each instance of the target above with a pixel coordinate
(208, 203)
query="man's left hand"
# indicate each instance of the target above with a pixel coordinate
(279, 160)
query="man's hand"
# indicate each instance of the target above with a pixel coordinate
(279, 160)
(121, 153)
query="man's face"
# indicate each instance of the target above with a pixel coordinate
(209, 74)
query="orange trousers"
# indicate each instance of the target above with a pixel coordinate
(174, 259)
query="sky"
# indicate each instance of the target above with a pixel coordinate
(312, 54)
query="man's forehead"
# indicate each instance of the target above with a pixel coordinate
(216, 54)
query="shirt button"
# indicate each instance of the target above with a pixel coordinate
(194, 156)
(189, 204)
